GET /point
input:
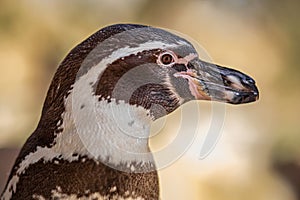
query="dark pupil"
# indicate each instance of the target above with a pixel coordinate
(166, 59)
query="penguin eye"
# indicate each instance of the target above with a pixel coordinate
(166, 58)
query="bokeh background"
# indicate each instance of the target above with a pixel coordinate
(257, 155)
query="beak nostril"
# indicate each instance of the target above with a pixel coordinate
(249, 81)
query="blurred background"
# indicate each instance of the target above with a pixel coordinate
(257, 155)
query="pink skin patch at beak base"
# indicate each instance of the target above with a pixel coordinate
(186, 59)
(194, 86)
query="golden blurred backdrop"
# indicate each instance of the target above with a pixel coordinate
(259, 37)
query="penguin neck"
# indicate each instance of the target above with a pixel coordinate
(112, 132)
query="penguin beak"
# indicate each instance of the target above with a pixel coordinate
(213, 82)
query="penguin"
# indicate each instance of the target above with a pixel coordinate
(91, 141)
